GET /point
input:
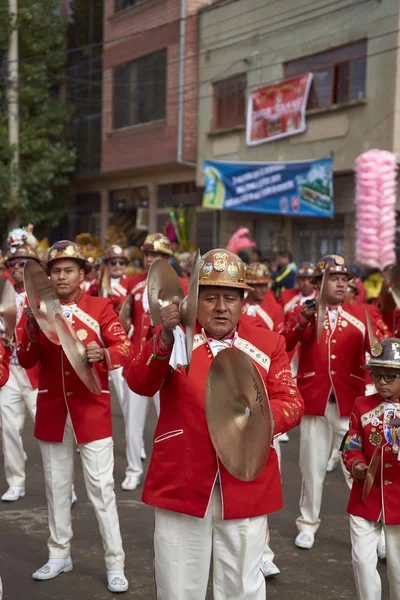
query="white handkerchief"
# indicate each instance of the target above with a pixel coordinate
(178, 356)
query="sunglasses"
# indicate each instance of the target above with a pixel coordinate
(386, 378)
(115, 261)
(14, 262)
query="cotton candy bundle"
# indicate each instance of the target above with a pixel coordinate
(239, 241)
(375, 208)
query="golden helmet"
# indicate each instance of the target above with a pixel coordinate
(24, 250)
(67, 249)
(224, 268)
(157, 242)
(258, 274)
(115, 251)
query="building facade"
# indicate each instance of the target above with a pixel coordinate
(352, 49)
(148, 121)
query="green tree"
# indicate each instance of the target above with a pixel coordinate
(47, 158)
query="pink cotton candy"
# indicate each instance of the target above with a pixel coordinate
(375, 208)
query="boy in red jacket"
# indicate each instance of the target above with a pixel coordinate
(373, 441)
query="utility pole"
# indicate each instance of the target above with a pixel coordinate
(13, 103)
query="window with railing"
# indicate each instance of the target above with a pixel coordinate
(339, 75)
(139, 90)
(229, 98)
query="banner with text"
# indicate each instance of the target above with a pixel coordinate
(277, 110)
(303, 188)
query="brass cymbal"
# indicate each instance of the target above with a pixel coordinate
(76, 354)
(371, 335)
(42, 299)
(8, 308)
(125, 313)
(371, 473)
(189, 308)
(238, 414)
(321, 304)
(162, 285)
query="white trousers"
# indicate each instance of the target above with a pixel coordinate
(364, 539)
(15, 398)
(318, 435)
(269, 554)
(117, 384)
(134, 408)
(183, 546)
(97, 465)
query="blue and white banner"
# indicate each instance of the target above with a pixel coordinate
(303, 188)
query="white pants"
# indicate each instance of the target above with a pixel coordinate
(97, 464)
(134, 408)
(269, 554)
(116, 380)
(317, 437)
(364, 539)
(15, 397)
(183, 546)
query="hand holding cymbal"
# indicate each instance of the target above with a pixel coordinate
(170, 317)
(94, 353)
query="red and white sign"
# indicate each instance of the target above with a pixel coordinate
(277, 110)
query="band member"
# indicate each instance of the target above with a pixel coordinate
(113, 284)
(329, 378)
(260, 303)
(306, 290)
(135, 406)
(19, 393)
(186, 481)
(67, 412)
(374, 438)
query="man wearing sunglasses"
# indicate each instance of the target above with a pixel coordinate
(329, 379)
(20, 392)
(113, 283)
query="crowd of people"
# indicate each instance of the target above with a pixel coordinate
(320, 371)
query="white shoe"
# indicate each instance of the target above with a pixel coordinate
(52, 568)
(143, 454)
(269, 569)
(74, 497)
(13, 493)
(305, 539)
(117, 582)
(381, 551)
(332, 464)
(130, 483)
(283, 437)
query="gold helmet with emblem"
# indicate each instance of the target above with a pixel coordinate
(21, 252)
(115, 252)
(157, 243)
(67, 249)
(307, 269)
(257, 274)
(222, 267)
(385, 354)
(334, 263)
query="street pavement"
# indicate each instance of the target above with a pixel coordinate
(323, 573)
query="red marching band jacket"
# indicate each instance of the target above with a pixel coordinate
(333, 364)
(364, 437)
(184, 465)
(268, 314)
(33, 373)
(118, 292)
(4, 361)
(141, 320)
(60, 389)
